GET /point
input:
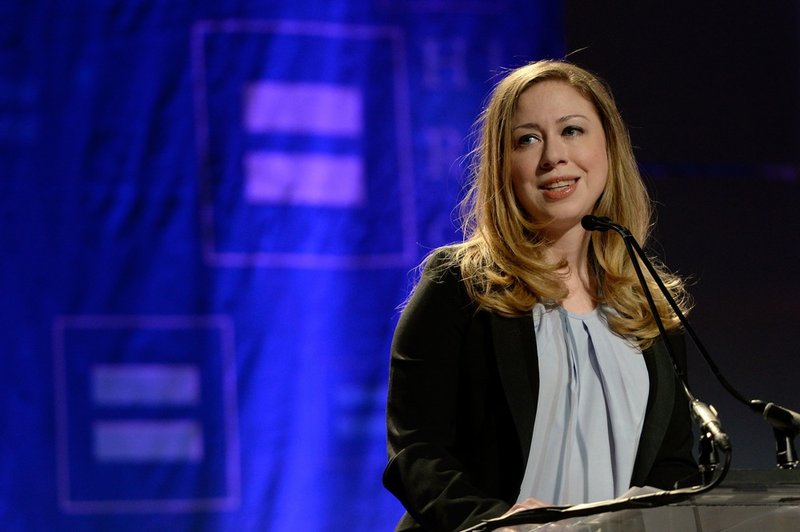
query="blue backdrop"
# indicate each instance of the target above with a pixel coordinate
(210, 211)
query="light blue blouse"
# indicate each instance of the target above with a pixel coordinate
(593, 389)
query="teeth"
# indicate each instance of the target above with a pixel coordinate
(559, 184)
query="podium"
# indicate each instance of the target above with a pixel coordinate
(747, 501)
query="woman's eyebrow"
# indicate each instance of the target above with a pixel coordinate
(533, 125)
(526, 125)
(568, 117)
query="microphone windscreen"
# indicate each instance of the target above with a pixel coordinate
(595, 223)
(782, 418)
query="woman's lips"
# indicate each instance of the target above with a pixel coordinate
(556, 189)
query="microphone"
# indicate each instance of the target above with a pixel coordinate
(596, 223)
(706, 416)
(785, 426)
(603, 224)
(782, 418)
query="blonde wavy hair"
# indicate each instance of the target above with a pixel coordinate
(502, 259)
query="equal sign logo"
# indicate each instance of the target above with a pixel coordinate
(159, 389)
(304, 177)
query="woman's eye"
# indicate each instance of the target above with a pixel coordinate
(572, 131)
(525, 140)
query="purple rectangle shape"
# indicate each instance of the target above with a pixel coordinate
(313, 108)
(148, 441)
(145, 384)
(304, 179)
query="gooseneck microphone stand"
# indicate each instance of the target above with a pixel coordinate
(785, 423)
(712, 436)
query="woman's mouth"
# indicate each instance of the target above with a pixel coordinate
(559, 188)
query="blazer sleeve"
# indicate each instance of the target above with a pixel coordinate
(674, 460)
(422, 408)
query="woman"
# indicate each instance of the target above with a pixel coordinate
(526, 367)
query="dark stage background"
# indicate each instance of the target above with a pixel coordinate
(711, 93)
(211, 211)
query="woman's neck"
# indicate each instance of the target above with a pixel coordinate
(572, 247)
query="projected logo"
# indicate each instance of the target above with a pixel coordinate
(304, 145)
(304, 178)
(146, 413)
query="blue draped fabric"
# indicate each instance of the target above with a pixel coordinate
(210, 213)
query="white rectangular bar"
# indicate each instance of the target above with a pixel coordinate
(307, 179)
(148, 441)
(145, 384)
(312, 108)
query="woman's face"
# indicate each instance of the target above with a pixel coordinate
(559, 165)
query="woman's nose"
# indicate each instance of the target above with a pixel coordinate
(553, 154)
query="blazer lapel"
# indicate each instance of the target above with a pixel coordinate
(659, 408)
(517, 362)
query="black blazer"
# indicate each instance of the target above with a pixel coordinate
(463, 391)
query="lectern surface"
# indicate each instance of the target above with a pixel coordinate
(748, 501)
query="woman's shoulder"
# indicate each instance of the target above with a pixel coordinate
(442, 256)
(443, 263)
(440, 293)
